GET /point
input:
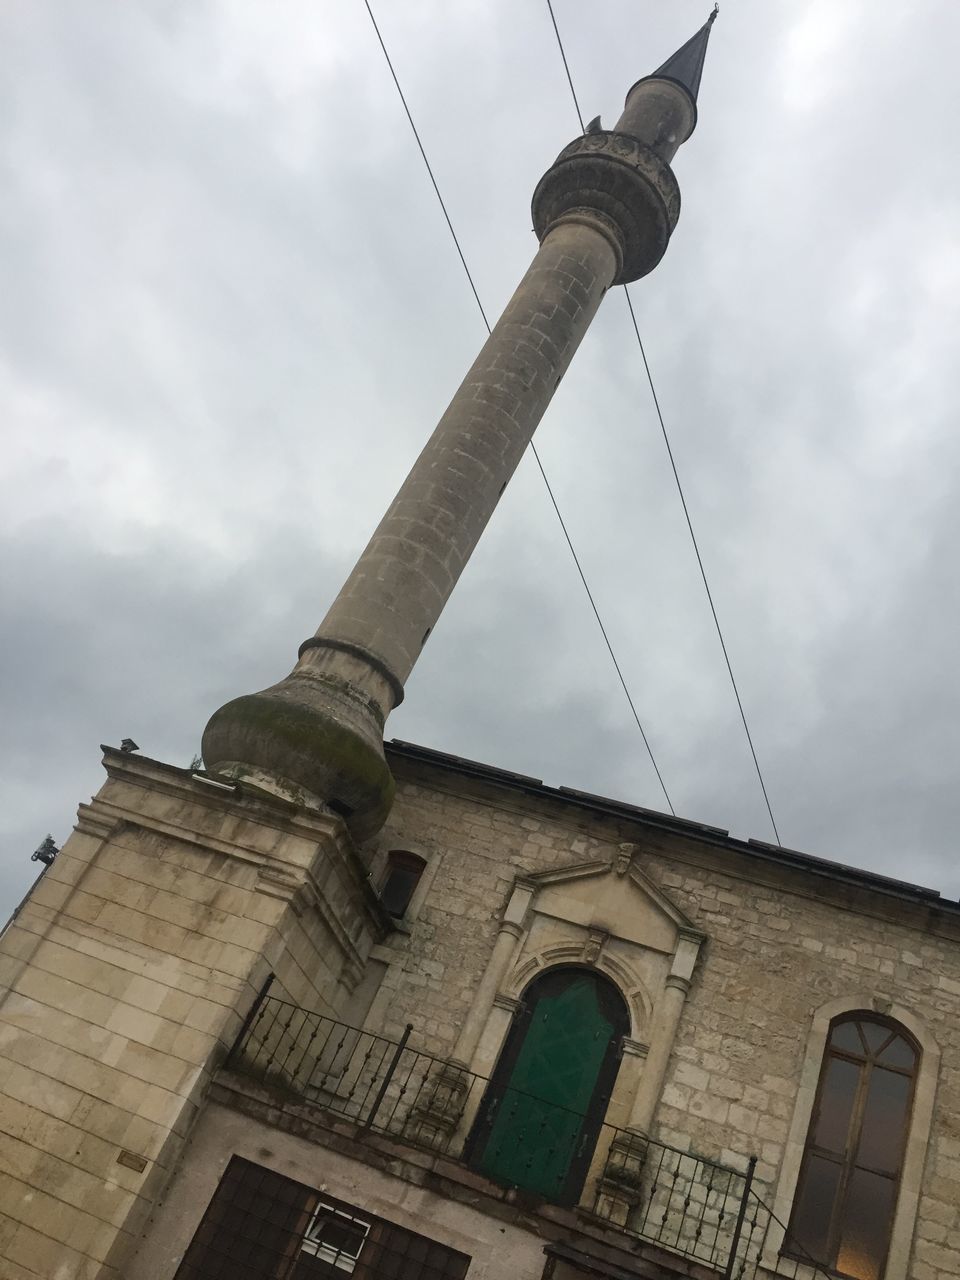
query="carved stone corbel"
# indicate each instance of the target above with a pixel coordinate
(594, 944)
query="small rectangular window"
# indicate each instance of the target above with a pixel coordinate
(335, 1236)
(402, 877)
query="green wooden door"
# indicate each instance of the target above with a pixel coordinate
(541, 1115)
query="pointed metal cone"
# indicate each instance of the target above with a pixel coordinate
(686, 65)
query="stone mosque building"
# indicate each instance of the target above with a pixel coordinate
(326, 1007)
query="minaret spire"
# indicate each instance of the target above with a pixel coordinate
(686, 65)
(603, 213)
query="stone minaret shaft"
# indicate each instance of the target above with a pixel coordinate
(603, 213)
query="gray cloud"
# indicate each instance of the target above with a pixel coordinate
(231, 314)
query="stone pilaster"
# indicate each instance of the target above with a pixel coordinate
(664, 1030)
(504, 949)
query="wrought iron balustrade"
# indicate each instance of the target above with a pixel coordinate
(679, 1201)
(380, 1084)
(766, 1246)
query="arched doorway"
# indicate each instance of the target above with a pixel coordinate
(540, 1117)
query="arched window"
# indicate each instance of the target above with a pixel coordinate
(400, 880)
(541, 1115)
(849, 1180)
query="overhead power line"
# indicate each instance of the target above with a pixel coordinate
(566, 65)
(676, 474)
(703, 572)
(536, 455)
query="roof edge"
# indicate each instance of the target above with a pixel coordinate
(716, 836)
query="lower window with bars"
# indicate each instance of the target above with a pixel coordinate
(263, 1226)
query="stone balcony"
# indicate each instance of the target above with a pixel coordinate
(659, 1210)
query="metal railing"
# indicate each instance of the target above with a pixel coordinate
(660, 1194)
(765, 1245)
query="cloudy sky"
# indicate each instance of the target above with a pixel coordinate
(230, 314)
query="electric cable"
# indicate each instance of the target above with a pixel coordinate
(676, 474)
(533, 448)
(703, 572)
(566, 65)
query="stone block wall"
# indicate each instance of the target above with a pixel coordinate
(784, 939)
(124, 979)
(123, 982)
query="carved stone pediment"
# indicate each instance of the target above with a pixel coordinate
(606, 914)
(611, 896)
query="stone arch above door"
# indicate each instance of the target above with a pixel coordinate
(608, 915)
(618, 969)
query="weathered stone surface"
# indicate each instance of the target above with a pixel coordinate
(604, 213)
(320, 730)
(132, 963)
(782, 942)
(621, 187)
(125, 978)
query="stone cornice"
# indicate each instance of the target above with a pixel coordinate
(277, 877)
(690, 843)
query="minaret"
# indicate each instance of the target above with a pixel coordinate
(603, 213)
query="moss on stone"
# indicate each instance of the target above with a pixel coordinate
(307, 747)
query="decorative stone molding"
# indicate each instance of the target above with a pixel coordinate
(608, 916)
(502, 1001)
(617, 968)
(624, 857)
(621, 1185)
(523, 973)
(92, 823)
(364, 655)
(689, 934)
(278, 882)
(638, 924)
(593, 945)
(635, 1048)
(619, 185)
(440, 1106)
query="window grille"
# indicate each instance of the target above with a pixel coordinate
(261, 1225)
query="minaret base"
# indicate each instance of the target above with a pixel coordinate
(315, 738)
